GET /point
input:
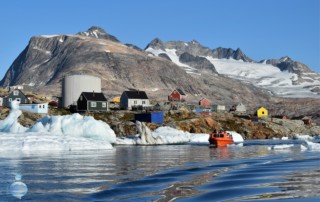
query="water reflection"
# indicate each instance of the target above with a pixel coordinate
(156, 172)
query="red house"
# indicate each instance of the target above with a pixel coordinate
(204, 102)
(177, 95)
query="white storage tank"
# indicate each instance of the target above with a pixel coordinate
(74, 85)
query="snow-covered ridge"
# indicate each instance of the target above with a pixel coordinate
(171, 53)
(267, 76)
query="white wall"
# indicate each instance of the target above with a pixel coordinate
(35, 108)
(131, 102)
(73, 86)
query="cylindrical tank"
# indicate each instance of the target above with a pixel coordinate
(74, 85)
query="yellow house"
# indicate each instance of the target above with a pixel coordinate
(116, 99)
(262, 112)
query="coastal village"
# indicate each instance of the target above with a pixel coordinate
(83, 94)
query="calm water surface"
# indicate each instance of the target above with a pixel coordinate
(166, 173)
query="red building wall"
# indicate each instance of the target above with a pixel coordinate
(204, 103)
(174, 96)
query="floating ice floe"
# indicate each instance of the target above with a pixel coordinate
(312, 146)
(280, 147)
(168, 135)
(70, 132)
(302, 137)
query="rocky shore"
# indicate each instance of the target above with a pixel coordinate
(122, 122)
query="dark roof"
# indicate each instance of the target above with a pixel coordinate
(180, 91)
(136, 94)
(92, 96)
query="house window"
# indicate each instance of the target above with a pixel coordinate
(10, 99)
(143, 102)
(15, 92)
(135, 102)
(93, 104)
(262, 112)
(18, 99)
(104, 105)
(81, 98)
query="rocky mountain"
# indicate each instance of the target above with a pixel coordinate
(99, 33)
(225, 76)
(282, 77)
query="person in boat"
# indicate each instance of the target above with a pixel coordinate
(212, 134)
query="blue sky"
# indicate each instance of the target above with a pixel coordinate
(263, 29)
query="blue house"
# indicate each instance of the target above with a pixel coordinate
(154, 117)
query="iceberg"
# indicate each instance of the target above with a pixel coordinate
(69, 132)
(168, 135)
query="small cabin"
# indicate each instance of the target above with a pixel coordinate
(152, 117)
(177, 95)
(134, 99)
(17, 95)
(92, 102)
(204, 102)
(307, 120)
(262, 112)
(240, 108)
(218, 108)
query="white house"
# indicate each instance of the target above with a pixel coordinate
(134, 98)
(219, 108)
(241, 108)
(41, 108)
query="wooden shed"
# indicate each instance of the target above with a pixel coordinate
(204, 102)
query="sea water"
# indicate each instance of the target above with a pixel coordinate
(259, 170)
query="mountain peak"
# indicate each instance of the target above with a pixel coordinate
(99, 33)
(285, 59)
(155, 44)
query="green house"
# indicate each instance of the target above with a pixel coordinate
(92, 102)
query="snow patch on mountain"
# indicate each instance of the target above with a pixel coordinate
(171, 53)
(264, 75)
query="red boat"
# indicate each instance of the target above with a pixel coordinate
(220, 139)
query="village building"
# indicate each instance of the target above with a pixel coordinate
(177, 95)
(204, 102)
(17, 95)
(38, 108)
(240, 108)
(1, 101)
(92, 102)
(261, 112)
(218, 108)
(134, 99)
(307, 120)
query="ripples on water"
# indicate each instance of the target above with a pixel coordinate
(164, 173)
